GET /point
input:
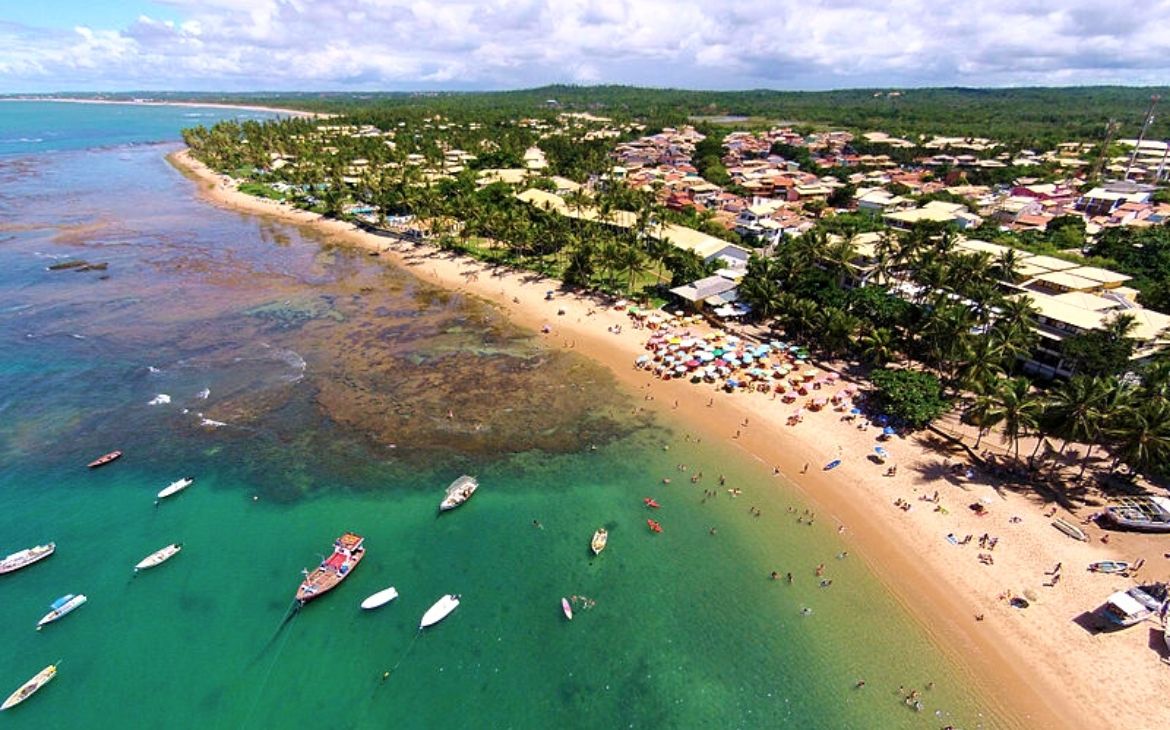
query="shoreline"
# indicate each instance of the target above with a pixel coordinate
(1036, 668)
(191, 104)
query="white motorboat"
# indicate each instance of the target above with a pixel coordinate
(176, 486)
(442, 608)
(29, 688)
(61, 606)
(381, 598)
(600, 538)
(158, 557)
(459, 492)
(24, 558)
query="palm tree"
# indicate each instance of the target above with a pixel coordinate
(633, 263)
(877, 345)
(1142, 436)
(1074, 410)
(984, 413)
(983, 365)
(1017, 407)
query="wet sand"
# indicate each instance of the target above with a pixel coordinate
(1039, 666)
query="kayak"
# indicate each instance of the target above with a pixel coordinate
(442, 608)
(832, 464)
(381, 598)
(654, 526)
(649, 501)
(567, 608)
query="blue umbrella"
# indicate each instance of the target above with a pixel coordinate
(855, 411)
(881, 452)
(889, 430)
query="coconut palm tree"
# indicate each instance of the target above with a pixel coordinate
(1074, 410)
(877, 346)
(1142, 437)
(1017, 408)
(984, 413)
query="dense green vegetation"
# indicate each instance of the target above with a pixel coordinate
(1022, 117)
(912, 396)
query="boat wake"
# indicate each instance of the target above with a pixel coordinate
(203, 394)
(208, 422)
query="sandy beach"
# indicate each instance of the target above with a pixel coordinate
(210, 105)
(1042, 666)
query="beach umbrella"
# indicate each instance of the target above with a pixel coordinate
(855, 411)
(643, 358)
(692, 363)
(833, 376)
(881, 452)
(889, 431)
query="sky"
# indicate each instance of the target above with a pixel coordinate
(391, 45)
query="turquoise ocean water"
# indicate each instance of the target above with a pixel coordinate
(313, 390)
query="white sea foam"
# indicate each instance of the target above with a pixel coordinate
(203, 394)
(151, 369)
(210, 423)
(160, 399)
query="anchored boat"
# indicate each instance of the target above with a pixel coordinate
(600, 538)
(61, 606)
(104, 459)
(158, 557)
(25, 558)
(348, 551)
(30, 687)
(381, 598)
(176, 486)
(442, 608)
(459, 492)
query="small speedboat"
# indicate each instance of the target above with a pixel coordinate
(654, 525)
(381, 598)
(61, 606)
(832, 465)
(105, 459)
(176, 486)
(442, 608)
(600, 538)
(649, 501)
(30, 687)
(158, 557)
(1109, 566)
(567, 608)
(459, 492)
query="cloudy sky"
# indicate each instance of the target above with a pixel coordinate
(242, 45)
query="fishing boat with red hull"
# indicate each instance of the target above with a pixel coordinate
(348, 551)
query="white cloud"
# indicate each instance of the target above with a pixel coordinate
(389, 44)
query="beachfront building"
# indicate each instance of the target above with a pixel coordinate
(1070, 299)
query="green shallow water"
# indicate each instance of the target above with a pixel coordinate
(333, 376)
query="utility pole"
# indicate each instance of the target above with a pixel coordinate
(1141, 137)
